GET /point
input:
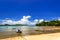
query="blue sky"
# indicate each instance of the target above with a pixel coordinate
(37, 9)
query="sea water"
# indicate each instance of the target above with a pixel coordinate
(15, 28)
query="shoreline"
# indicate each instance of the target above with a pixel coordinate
(44, 33)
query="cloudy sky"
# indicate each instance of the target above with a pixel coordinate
(28, 11)
(23, 20)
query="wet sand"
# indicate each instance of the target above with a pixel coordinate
(51, 36)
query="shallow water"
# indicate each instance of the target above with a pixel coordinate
(27, 30)
(11, 31)
(14, 28)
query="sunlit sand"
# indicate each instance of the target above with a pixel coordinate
(52, 36)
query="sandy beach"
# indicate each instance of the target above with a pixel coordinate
(42, 34)
(51, 36)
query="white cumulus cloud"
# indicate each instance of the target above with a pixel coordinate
(23, 20)
(41, 20)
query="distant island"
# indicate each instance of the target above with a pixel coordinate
(12, 25)
(49, 23)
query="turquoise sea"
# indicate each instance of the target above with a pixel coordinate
(26, 30)
(15, 28)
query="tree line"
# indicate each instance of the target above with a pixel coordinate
(50, 23)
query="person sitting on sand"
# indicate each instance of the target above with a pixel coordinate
(19, 31)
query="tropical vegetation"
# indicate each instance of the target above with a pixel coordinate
(49, 23)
